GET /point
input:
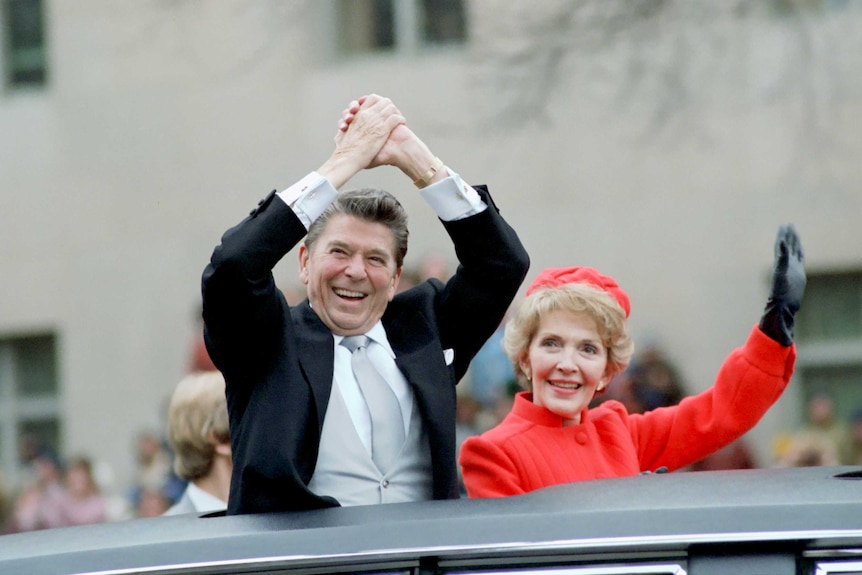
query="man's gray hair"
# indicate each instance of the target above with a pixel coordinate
(370, 205)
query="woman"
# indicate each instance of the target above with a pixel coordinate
(569, 338)
(199, 434)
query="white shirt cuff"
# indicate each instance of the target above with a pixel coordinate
(309, 197)
(453, 198)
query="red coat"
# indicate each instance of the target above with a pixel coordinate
(531, 449)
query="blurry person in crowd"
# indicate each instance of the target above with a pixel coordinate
(736, 455)
(823, 440)
(489, 417)
(431, 266)
(30, 446)
(808, 451)
(624, 391)
(466, 425)
(567, 340)
(83, 504)
(154, 470)
(465, 418)
(409, 279)
(434, 265)
(649, 382)
(39, 504)
(656, 382)
(151, 503)
(5, 505)
(490, 372)
(301, 417)
(154, 461)
(60, 498)
(199, 435)
(824, 423)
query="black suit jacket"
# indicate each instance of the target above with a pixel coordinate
(278, 361)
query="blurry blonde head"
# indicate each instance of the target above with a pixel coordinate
(197, 423)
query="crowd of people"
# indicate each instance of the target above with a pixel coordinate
(195, 449)
(343, 392)
(54, 493)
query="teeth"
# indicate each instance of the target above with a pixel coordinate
(348, 293)
(567, 385)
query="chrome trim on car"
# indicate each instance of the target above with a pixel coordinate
(833, 553)
(401, 554)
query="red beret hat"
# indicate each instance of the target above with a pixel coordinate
(554, 277)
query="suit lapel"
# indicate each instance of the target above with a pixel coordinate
(316, 355)
(427, 374)
(420, 359)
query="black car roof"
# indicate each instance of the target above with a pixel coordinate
(658, 514)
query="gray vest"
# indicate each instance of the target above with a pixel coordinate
(345, 469)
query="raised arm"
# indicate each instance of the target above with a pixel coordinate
(242, 307)
(750, 380)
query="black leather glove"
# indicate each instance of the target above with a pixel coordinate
(788, 286)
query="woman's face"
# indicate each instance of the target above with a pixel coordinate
(566, 363)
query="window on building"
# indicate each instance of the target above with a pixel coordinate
(399, 25)
(829, 335)
(24, 43)
(29, 398)
(366, 25)
(443, 21)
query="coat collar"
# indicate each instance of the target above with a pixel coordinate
(316, 355)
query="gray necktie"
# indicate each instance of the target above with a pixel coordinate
(387, 422)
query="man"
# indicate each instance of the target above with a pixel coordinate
(303, 428)
(199, 434)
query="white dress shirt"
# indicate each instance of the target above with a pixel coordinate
(383, 359)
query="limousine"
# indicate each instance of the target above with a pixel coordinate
(799, 521)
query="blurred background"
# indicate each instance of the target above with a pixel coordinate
(661, 141)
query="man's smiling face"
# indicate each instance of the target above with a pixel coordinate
(350, 273)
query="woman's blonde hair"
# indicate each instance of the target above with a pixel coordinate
(197, 415)
(576, 298)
